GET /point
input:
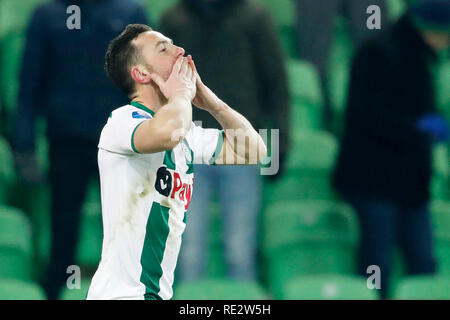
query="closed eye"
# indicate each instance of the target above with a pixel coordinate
(163, 44)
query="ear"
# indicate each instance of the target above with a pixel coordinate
(140, 75)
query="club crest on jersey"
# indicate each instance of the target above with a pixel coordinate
(170, 184)
(138, 115)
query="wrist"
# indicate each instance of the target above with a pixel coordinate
(207, 100)
(181, 99)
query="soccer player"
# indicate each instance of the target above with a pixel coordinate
(146, 155)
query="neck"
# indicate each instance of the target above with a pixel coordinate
(150, 96)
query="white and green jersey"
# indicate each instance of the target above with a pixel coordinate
(144, 202)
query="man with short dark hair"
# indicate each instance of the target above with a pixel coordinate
(146, 154)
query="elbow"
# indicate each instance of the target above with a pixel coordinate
(262, 150)
(175, 132)
(256, 151)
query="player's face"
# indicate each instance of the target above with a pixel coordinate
(159, 52)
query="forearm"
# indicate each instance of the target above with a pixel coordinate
(244, 140)
(167, 128)
(178, 114)
(174, 119)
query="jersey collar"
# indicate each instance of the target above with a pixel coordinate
(142, 107)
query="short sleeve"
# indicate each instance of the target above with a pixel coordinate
(118, 133)
(206, 144)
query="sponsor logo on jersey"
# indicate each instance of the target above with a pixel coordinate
(138, 115)
(170, 184)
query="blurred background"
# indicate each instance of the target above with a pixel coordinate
(309, 236)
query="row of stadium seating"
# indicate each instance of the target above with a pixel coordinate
(307, 231)
(298, 238)
(317, 287)
(305, 226)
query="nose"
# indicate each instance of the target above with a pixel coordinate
(180, 51)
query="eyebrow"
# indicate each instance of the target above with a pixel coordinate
(163, 41)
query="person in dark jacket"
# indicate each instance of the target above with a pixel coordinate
(315, 21)
(239, 56)
(63, 80)
(384, 168)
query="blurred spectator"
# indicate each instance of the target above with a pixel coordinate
(315, 25)
(247, 71)
(63, 80)
(384, 165)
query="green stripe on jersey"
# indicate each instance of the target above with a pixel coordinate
(142, 107)
(190, 164)
(168, 159)
(132, 138)
(157, 231)
(212, 161)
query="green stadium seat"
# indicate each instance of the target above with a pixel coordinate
(15, 15)
(308, 237)
(424, 288)
(283, 11)
(15, 244)
(20, 290)
(443, 89)
(11, 56)
(304, 82)
(396, 8)
(308, 169)
(313, 150)
(283, 16)
(288, 40)
(329, 287)
(339, 81)
(441, 218)
(441, 228)
(339, 70)
(220, 289)
(306, 96)
(305, 115)
(91, 229)
(91, 236)
(339, 75)
(76, 294)
(157, 8)
(7, 173)
(297, 221)
(440, 184)
(35, 201)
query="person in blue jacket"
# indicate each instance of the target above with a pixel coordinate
(63, 80)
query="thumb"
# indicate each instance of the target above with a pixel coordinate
(157, 79)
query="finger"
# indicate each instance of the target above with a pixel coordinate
(177, 65)
(184, 66)
(157, 79)
(191, 62)
(194, 76)
(189, 71)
